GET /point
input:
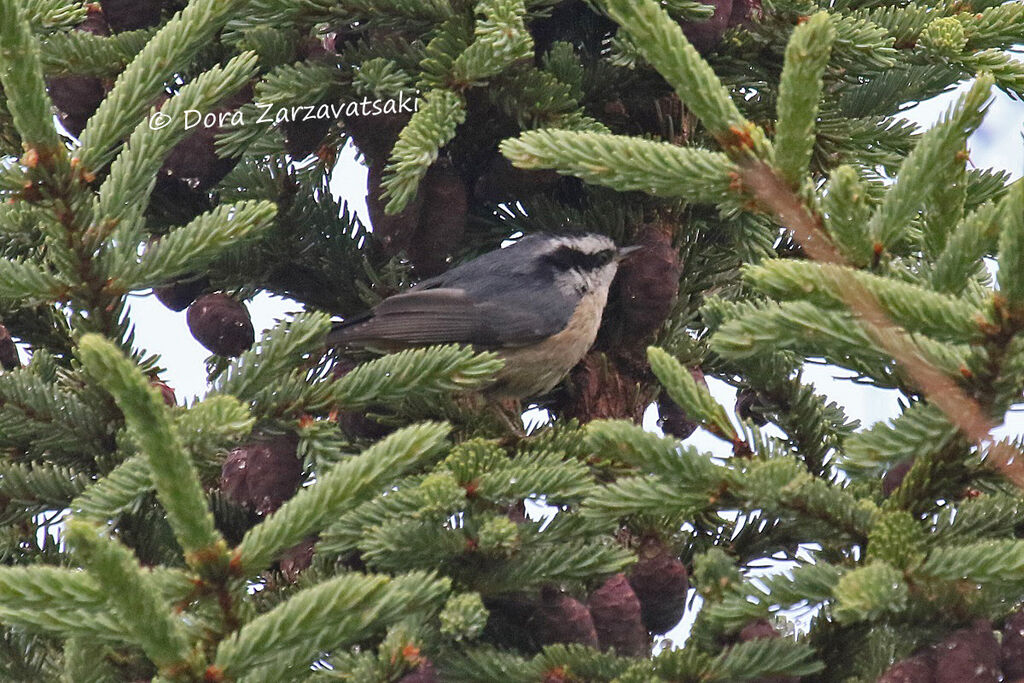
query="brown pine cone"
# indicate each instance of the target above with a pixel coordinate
(297, 558)
(970, 655)
(615, 610)
(177, 296)
(263, 474)
(9, 359)
(919, 668)
(1013, 646)
(755, 630)
(745, 12)
(129, 15)
(672, 419)
(660, 581)
(442, 220)
(424, 673)
(221, 324)
(747, 404)
(500, 181)
(645, 288)
(600, 389)
(355, 423)
(77, 97)
(894, 477)
(394, 232)
(707, 34)
(195, 157)
(561, 618)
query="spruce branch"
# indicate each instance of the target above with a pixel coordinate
(28, 282)
(982, 562)
(939, 148)
(661, 41)
(429, 129)
(339, 611)
(961, 258)
(806, 226)
(133, 597)
(21, 76)
(692, 397)
(87, 54)
(176, 43)
(765, 657)
(1011, 248)
(189, 247)
(435, 370)
(174, 475)
(115, 492)
(914, 307)
(624, 441)
(626, 164)
(287, 346)
(124, 194)
(800, 87)
(341, 488)
(868, 591)
(500, 38)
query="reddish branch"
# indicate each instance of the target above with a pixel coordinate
(773, 193)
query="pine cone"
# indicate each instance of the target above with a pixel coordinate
(442, 220)
(660, 581)
(645, 289)
(424, 673)
(297, 558)
(1013, 646)
(177, 296)
(616, 613)
(9, 359)
(221, 324)
(970, 655)
(673, 419)
(755, 630)
(706, 35)
(745, 12)
(77, 97)
(560, 618)
(600, 389)
(263, 474)
(393, 232)
(894, 477)
(195, 157)
(355, 423)
(747, 404)
(129, 15)
(302, 138)
(919, 668)
(501, 181)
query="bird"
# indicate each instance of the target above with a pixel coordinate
(537, 303)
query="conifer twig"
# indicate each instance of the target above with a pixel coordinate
(775, 194)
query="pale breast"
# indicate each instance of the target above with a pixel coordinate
(536, 369)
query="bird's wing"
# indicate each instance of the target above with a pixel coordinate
(451, 315)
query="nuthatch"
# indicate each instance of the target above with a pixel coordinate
(537, 303)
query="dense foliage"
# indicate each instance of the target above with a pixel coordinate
(314, 516)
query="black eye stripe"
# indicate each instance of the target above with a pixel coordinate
(566, 258)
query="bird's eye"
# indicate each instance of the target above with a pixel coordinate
(566, 258)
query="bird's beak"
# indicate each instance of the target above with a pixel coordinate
(626, 251)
